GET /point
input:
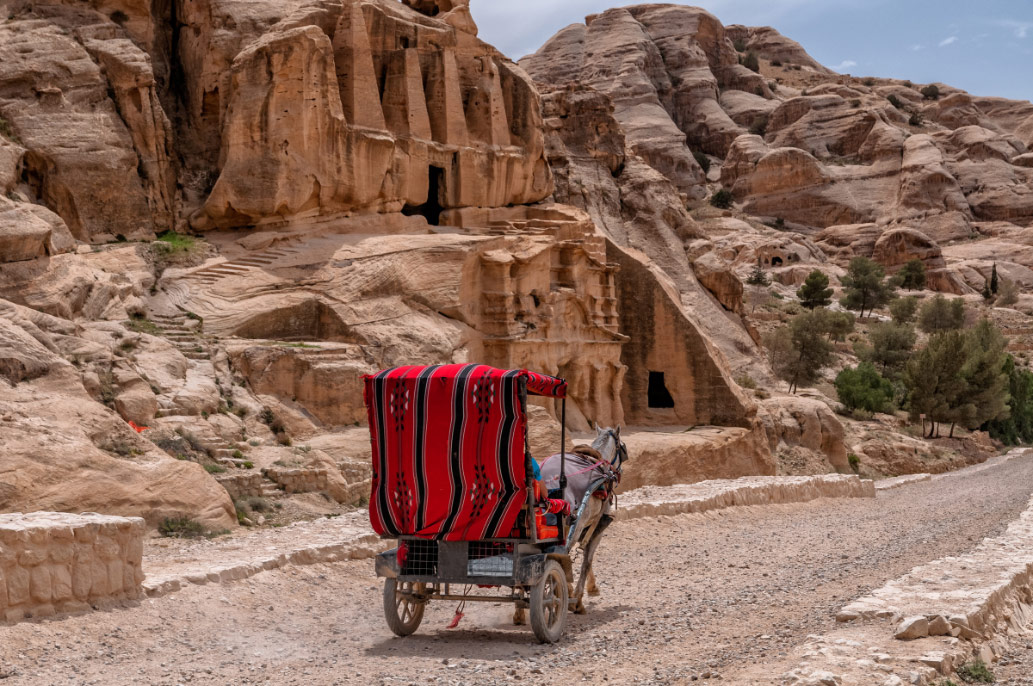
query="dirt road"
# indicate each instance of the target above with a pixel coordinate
(683, 598)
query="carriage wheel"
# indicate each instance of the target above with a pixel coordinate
(549, 604)
(403, 613)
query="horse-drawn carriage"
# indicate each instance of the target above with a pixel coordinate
(454, 482)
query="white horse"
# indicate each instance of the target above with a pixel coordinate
(594, 469)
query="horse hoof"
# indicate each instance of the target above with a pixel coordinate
(580, 609)
(593, 591)
(518, 618)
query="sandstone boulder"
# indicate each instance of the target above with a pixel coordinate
(717, 276)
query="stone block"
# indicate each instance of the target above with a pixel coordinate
(18, 586)
(82, 580)
(41, 589)
(61, 578)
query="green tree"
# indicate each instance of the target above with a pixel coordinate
(757, 277)
(702, 160)
(994, 284)
(839, 324)
(799, 351)
(939, 314)
(890, 348)
(931, 92)
(903, 310)
(863, 388)
(986, 398)
(750, 61)
(986, 292)
(815, 291)
(1017, 427)
(912, 275)
(865, 286)
(933, 380)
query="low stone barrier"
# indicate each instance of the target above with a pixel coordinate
(56, 562)
(653, 501)
(241, 486)
(898, 481)
(298, 480)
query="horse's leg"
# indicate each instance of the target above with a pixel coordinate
(519, 616)
(590, 587)
(586, 566)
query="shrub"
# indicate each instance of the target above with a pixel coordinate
(931, 92)
(757, 277)
(750, 61)
(976, 672)
(915, 120)
(895, 101)
(746, 381)
(7, 132)
(722, 199)
(238, 455)
(903, 310)
(908, 84)
(855, 103)
(214, 468)
(248, 464)
(939, 314)
(869, 82)
(772, 84)
(855, 462)
(740, 45)
(1008, 294)
(142, 325)
(863, 388)
(181, 527)
(259, 504)
(702, 160)
(776, 63)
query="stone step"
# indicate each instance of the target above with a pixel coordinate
(197, 356)
(220, 453)
(231, 461)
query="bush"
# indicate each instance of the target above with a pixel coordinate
(142, 325)
(746, 381)
(939, 314)
(757, 277)
(259, 504)
(931, 92)
(903, 310)
(740, 45)
(869, 82)
(7, 132)
(238, 455)
(855, 462)
(181, 527)
(214, 468)
(975, 672)
(895, 101)
(863, 388)
(722, 199)
(776, 63)
(772, 85)
(702, 160)
(750, 61)
(915, 120)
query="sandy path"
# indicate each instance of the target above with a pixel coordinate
(682, 597)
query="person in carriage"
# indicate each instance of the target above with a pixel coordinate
(454, 482)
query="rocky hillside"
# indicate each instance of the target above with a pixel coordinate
(215, 217)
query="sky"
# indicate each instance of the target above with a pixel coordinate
(984, 47)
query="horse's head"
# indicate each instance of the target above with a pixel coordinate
(608, 443)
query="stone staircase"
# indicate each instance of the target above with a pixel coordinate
(185, 333)
(208, 276)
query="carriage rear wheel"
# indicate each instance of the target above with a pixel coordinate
(549, 604)
(403, 612)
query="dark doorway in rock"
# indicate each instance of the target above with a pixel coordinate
(430, 210)
(659, 397)
(776, 261)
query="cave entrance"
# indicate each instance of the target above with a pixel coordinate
(776, 261)
(659, 397)
(430, 210)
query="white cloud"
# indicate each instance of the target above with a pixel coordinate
(1022, 29)
(948, 41)
(844, 65)
(917, 47)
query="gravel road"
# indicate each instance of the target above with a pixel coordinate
(692, 597)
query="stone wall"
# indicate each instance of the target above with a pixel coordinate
(55, 562)
(299, 480)
(241, 485)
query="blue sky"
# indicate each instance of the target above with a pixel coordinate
(984, 47)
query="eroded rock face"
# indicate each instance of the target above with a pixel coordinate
(386, 109)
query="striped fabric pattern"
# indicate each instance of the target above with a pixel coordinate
(448, 449)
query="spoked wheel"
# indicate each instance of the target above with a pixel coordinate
(403, 612)
(549, 604)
